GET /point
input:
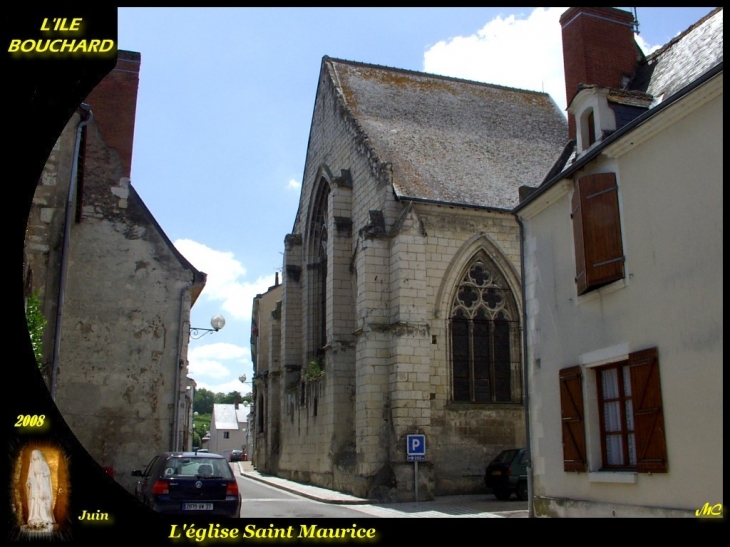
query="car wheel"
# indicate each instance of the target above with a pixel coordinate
(502, 494)
(522, 491)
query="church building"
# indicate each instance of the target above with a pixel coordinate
(401, 308)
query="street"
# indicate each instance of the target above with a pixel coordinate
(261, 500)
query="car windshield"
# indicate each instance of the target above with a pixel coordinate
(198, 467)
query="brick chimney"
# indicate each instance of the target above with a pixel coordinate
(598, 49)
(114, 104)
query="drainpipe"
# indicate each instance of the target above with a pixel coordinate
(86, 118)
(179, 365)
(525, 366)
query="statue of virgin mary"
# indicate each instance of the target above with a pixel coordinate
(39, 493)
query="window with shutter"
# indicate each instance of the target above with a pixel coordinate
(631, 414)
(572, 416)
(599, 257)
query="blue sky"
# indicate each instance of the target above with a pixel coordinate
(223, 114)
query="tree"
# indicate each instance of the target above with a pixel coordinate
(203, 401)
(232, 398)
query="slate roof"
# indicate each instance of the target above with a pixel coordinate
(450, 140)
(225, 417)
(683, 59)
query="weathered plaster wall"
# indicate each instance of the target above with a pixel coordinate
(670, 197)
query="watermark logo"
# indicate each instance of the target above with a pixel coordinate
(708, 510)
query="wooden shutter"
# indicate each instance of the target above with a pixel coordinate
(580, 263)
(646, 393)
(597, 231)
(571, 411)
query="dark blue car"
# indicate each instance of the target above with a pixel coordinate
(188, 483)
(507, 474)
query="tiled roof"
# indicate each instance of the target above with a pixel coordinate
(224, 417)
(450, 140)
(683, 59)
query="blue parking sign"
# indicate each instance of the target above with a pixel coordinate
(416, 447)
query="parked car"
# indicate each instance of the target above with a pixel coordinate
(232, 455)
(189, 483)
(507, 474)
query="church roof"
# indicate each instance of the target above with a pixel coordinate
(450, 140)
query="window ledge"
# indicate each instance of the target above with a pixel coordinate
(620, 477)
(457, 405)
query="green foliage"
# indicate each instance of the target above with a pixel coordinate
(232, 398)
(314, 370)
(201, 425)
(36, 325)
(203, 401)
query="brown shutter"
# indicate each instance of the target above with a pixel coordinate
(576, 213)
(646, 393)
(600, 230)
(571, 411)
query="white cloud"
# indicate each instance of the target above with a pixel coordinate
(220, 350)
(207, 367)
(225, 278)
(524, 52)
(218, 361)
(293, 185)
(225, 387)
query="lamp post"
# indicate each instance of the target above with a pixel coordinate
(217, 322)
(251, 417)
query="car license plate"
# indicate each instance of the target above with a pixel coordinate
(197, 506)
(496, 472)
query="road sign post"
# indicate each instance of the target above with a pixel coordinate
(416, 452)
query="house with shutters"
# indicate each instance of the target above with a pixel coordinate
(623, 277)
(401, 308)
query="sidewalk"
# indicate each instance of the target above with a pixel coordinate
(465, 506)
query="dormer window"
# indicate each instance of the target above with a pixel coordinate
(595, 117)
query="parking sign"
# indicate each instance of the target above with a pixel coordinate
(416, 448)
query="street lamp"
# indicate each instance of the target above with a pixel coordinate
(217, 322)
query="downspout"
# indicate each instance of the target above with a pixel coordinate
(525, 377)
(178, 367)
(86, 118)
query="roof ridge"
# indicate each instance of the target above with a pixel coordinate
(430, 75)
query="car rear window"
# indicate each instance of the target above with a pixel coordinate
(186, 467)
(506, 456)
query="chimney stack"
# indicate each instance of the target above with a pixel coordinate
(598, 49)
(114, 104)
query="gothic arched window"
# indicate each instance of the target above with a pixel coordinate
(318, 274)
(484, 337)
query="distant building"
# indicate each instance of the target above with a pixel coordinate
(623, 278)
(115, 292)
(263, 440)
(227, 431)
